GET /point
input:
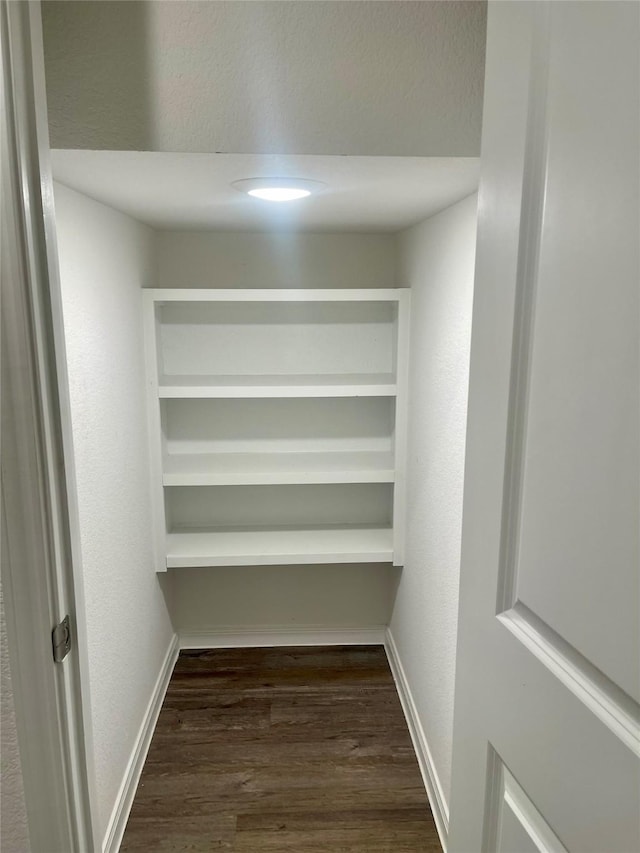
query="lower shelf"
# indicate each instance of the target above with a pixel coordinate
(280, 547)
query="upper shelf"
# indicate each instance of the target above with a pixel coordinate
(285, 385)
(176, 294)
(280, 343)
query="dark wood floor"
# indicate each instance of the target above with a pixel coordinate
(303, 750)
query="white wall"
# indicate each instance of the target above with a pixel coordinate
(327, 77)
(281, 259)
(437, 261)
(331, 597)
(14, 832)
(105, 258)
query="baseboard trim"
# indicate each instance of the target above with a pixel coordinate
(266, 637)
(124, 800)
(423, 753)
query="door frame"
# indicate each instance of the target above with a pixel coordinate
(41, 568)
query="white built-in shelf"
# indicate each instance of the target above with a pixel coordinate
(271, 438)
(288, 385)
(279, 547)
(289, 295)
(234, 469)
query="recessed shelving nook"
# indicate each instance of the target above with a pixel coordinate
(277, 425)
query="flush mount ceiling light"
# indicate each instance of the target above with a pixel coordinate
(278, 189)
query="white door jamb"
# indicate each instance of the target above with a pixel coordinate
(51, 699)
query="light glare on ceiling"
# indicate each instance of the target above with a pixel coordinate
(279, 193)
(278, 189)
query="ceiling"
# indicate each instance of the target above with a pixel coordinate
(193, 191)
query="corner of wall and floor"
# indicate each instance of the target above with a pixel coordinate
(428, 771)
(127, 791)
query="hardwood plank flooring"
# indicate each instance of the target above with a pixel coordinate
(283, 750)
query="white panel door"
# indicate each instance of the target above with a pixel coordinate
(547, 731)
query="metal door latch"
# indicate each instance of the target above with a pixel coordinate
(61, 639)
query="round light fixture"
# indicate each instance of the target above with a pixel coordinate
(278, 193)
(278, 189)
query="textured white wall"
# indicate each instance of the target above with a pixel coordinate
(105, 258)
(437, 261)
(388, 77)
(325, 597)
(352, 596)
(14, 832)
(286, 259)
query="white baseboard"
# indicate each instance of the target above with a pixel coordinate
(430, 777)
(124, 800)
(266, 637)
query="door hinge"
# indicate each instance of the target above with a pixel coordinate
(61, 639)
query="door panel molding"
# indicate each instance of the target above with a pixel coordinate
(521, 564)
(530, 236)
(597, 689)
(613, 707)
(510, 808)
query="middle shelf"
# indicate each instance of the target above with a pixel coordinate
(220, 469)
(279, 546)
(277, 441)
(278, 385)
